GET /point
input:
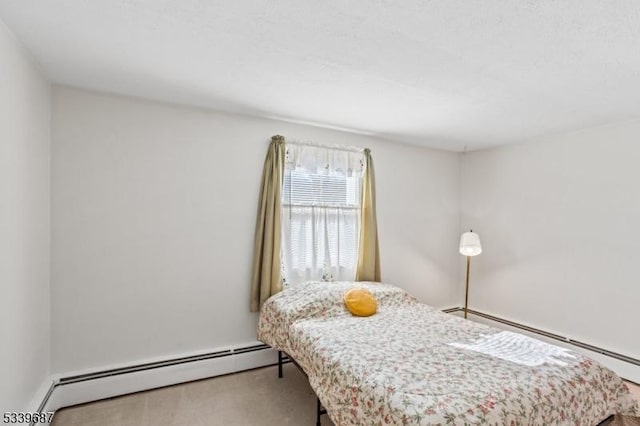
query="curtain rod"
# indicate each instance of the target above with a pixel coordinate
(336, 147)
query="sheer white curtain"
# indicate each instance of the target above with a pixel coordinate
(321, 202)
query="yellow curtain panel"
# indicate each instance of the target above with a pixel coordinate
(368, 252)
(266, 278)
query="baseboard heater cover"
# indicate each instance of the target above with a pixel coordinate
(158, 364)
(146, 367)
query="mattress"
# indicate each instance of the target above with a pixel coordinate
(410, 364)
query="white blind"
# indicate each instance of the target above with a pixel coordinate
(302, 188)
(320, 222)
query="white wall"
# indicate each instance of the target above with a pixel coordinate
(559, 222)
(153, 216)
(24, 227)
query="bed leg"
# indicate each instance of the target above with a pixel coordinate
(318, 413)
(280, 364)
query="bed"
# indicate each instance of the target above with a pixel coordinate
(410, 364)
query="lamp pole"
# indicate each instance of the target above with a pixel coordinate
(466, 294)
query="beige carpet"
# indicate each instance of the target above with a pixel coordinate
(255, 397)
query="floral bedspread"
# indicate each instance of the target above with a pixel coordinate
(410, 364)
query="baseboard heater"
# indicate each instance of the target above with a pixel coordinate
(146, 367)
(544, 333)
(159, 364)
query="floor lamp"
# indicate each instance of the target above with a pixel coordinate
(469, 246)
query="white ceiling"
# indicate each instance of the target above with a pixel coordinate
(441, 73)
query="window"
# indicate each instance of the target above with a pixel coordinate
(321, 197)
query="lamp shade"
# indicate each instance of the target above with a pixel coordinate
(470, 244)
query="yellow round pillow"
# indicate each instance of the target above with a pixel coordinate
(360, 302)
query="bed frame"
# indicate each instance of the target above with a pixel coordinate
(285, 358)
